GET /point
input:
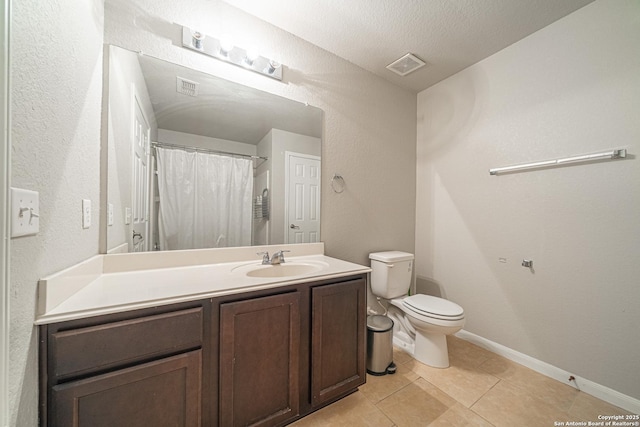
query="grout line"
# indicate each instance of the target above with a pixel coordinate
(485, 393)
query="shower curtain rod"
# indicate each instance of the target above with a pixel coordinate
(207, 150)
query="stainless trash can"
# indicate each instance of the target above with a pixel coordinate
(380, 345)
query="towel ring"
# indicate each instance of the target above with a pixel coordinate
(337, 183)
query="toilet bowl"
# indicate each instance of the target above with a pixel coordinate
(430, 320)
(421, 322)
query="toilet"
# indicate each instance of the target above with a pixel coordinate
(421, 322)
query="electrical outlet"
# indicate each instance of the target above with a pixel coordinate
(86, 213)
(25, 212)
(110, 214)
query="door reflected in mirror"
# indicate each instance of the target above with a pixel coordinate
(195, 161)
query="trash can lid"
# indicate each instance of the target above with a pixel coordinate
(379, 323)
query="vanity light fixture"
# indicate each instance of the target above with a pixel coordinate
(226, 45)
(197, 38)
(273, 66)
(224, 50)
(251, 56)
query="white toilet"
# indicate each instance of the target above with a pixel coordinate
(421, 322)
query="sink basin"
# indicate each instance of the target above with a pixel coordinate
(288, 269)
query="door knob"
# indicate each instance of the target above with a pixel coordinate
(294, 227)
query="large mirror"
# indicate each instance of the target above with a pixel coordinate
(196, 161)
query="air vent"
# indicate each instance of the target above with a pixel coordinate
(186, 87)
(407, 64)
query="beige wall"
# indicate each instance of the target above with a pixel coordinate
(369, 124)
(571, 88)
(125, 77)
(56, 65)
(56, 72)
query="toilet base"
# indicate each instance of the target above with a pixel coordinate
(431, 349)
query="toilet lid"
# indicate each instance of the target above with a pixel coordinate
(433, 306)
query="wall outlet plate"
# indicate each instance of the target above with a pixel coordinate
(110, 214)
(25, 212)
(86, 213)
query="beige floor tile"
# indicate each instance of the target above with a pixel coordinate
(380, 387)
(435, 392)
(466, 352)
(586, 407)
(354, 410)
(462, 381)
(551, 391)
(509, 405)
(460, 416)
(415, 406)
(400, 356)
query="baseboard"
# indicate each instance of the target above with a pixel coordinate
(613, 397)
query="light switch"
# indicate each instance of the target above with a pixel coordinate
(25, 212)
(86, 213)
(127, 216)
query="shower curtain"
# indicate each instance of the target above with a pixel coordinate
(205, 200)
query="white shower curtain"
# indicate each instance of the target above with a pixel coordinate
(205, 200)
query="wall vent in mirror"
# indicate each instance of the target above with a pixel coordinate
(186, 87)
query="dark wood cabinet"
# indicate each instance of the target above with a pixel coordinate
(259, 356)
(338, 326)
(161, 393)
(137, 368)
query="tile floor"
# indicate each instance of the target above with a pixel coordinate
(480, 388)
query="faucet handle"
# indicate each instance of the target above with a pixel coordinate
(279, 256)
(265, 257)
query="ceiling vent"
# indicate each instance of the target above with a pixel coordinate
(407, 64)
(186, 87)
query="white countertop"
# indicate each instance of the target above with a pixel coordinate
(104, 284)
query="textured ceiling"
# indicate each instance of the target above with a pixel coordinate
(449, 35)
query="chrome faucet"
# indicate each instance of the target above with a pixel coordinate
(265, 257)
(278, 258)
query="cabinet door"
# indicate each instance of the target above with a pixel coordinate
(161, 393)
(259, 356)
(338, 339)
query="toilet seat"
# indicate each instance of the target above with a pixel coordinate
(433, 307)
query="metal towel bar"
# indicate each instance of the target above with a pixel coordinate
(614, 154)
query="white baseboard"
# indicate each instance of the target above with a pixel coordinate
(613, 397)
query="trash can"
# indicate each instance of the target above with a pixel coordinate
(380, 345)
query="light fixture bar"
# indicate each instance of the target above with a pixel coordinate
(615, 154)
(213, 47)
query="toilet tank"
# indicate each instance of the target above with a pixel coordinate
(391, 273)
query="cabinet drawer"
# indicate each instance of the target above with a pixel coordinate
(97, 348)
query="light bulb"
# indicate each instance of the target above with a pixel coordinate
(251, 56)
(226, 45)
(197, 39)
(273, 66)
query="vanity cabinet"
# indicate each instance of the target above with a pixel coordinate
(137, 368)
(338, 326)
(164, 392)
(259, 358)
